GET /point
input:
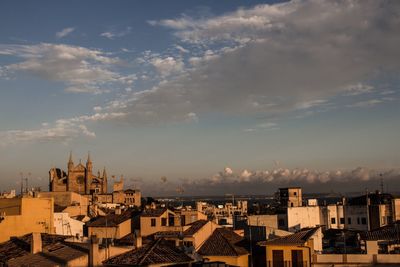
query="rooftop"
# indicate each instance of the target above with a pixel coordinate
(153, 212)
(158, 251)
(298, 238)
(111, 220)
(18, 247)
(194, 227)
(223, 242)
(388, 232)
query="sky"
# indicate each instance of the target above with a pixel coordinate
(212, 97)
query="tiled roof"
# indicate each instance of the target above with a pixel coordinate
(127, 240)
(20, 246)
(298, 238)
(157, 252)
(223, 242)
(53, 255)
(153, 212)
(110, 220)
(389, 233)
(194, 227)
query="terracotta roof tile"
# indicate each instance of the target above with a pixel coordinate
(388, 232)
(153, 212)
(223, 242)
(110, 220)
(157, 252)
(298, 238)
(194, 227)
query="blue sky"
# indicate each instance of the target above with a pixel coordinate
(237, 94)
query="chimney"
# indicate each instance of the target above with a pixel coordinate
(138, 239)
(94, 255)
(36, 243)
(118, 210)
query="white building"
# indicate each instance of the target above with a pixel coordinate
(65, 225)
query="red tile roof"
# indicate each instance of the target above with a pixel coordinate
(194, 227)
(159, 251)
(298, 238)
(223, 242)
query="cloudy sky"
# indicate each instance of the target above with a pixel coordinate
(213, 96)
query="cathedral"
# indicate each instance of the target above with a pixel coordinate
(79, 179)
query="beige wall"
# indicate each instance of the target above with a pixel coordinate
(36, 215)
(146, 228)
(301, 217)
(263, 220)
(117, 232)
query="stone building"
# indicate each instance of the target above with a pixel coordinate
(78, 178)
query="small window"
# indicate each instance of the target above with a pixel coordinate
(295, 193)
(348, 220)
(163, 221)
(333, 220)
(358, 220)
(363, 220)
(153, 222)
(341, 220)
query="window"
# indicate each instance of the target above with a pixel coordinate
(341, 220)
(358, 220)
(333, 220)
(349, 220)
(363, 220)
(153, 222)
(163, 221)
(295, 193)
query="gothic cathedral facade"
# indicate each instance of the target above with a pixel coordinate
(79, 179)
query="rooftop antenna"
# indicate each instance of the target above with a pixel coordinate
(22, 183)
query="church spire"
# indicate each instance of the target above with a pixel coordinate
(104, 173)
(88, 157)
(70, 162)
(89, 164)
(70, 156)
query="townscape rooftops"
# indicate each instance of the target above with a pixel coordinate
(388, 232)
(158, 251)
(298, 238)
(223, 242)
(194, 227)
(374, 198)
(153, 212)
(53, 255)
(20, 246)
(111, 220)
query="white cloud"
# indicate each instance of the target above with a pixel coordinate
(62, 130)
(116, 34)
(168, 65)
(64, 32)
(297, 55)
(366, 104)
(82, 70)
(358, 89)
